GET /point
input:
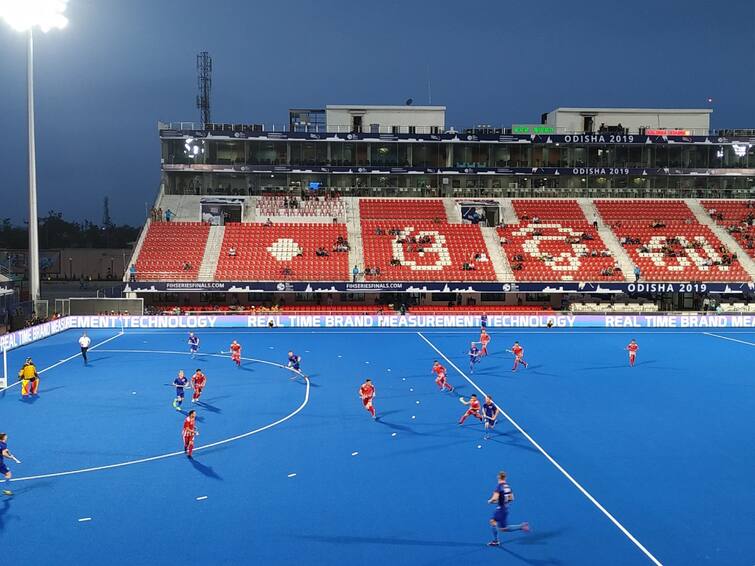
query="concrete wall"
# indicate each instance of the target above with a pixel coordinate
(339, 118)
(571, 120)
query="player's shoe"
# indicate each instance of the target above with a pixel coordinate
(7, 492)
(494, 543)
(193, 400)
(526, 527)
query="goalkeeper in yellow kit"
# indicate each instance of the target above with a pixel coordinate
(29, 379)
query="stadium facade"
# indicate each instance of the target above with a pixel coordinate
(360, 205)
(411, 151)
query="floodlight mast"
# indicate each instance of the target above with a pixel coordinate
(24, 16)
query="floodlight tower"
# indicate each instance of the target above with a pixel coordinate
(24, 16)
(204, 86)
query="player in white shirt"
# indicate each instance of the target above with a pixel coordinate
(84, 342)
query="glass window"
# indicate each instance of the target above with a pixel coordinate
(520, 156)
(735, 155)
(674, 156)
(384, 154)
(501, 156)
(268, 153)
(554, 156)
(659, 156)
(577, 157)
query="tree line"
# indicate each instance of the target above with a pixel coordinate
(57, 232)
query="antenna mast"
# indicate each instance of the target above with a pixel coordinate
(204, 86)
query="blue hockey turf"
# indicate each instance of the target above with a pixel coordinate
(299, 473)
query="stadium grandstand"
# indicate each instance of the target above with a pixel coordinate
(366, 205)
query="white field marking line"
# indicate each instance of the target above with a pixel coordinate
(69, 358)
(181, 453)
(727, 338)
(550, 459)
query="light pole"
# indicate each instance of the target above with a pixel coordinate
(24, 16)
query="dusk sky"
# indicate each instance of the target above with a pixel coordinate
(120, 66)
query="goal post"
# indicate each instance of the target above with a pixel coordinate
(4, 374)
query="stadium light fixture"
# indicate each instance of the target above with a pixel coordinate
(24, 16)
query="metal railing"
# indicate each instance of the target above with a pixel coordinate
(480, 129)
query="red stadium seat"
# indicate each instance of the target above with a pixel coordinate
(738, 218)
(451, 246)
(404, 209)
(678, 248)
(170, 247)
(556, 243)
(282, 251)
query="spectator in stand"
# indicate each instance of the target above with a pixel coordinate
(4, 318)
(131, 273)
(321, 252)
(232, 251)
(159, 215)
(637, 273)
(595, 221)
(169, 215)
(268, 223)
(354, 274)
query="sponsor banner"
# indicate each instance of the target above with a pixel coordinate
(637, 288)
(550, 171)
(378, 322)
(535, 320)
(34, 333)
(605, 138)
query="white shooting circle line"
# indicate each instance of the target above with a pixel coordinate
(179, 453)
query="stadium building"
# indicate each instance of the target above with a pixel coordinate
(350, 206)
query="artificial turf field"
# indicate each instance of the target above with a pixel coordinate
(298, 473)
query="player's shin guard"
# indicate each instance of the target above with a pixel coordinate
(34, 386)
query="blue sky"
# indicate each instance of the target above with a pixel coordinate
(105, 81)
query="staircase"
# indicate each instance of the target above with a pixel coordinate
(496, 254)
(508, 214)
(211, 253)
(354, 235)
(137, 249)
(453, 212)
(609, 239)
(250, 210)
(704, 218)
